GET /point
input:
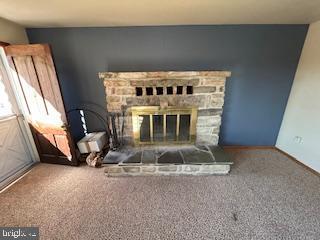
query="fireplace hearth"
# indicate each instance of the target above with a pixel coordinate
(167, 160)
(162, 109)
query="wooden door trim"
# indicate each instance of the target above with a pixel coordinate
(43, 60)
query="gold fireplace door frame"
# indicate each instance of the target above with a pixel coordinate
(156, 110)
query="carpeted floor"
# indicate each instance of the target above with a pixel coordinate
(266, 196)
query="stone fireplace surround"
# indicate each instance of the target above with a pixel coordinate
(203, 90)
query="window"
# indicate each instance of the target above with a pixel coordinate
(169, 90)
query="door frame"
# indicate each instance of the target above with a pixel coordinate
(17, 97)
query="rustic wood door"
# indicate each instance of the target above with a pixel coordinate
(34, 70)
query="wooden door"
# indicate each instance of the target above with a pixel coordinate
(34, 70)
(15, 154)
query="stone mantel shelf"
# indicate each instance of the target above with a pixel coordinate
(162, 74)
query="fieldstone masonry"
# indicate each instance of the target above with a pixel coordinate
(127, 89)
(167, 160)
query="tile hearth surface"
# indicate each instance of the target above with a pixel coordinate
(167, 160)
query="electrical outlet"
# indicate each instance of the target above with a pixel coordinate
(297, 139)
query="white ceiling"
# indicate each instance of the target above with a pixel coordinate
(76, 13)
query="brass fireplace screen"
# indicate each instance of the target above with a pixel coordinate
(153, 125)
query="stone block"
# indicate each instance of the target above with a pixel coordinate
(200, 90)
(107, 75)
(148, 169)
(125, 91)
(159, 74)
(187, 101)
(216, 168)
(170, 157)
(164, 102)
(156, 82)
(132, 75)
(148, 157)
(143, 101)
(208, 130)
(133, 158)
(183, 74)
(112, 170)
(112, 99)
(210, 74)
(216, 130)
(204, 121)
(168, 168)
(110, 91)
(190, 168)
(212, 81)
(196, 156)
(207, 139)
(204, 130)
(219, 154)
(209, 112)
(137, 83)
(221, 89)
(114, 107)
(116, 83)
(214, 102)
(131, 169)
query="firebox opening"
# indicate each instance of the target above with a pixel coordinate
(153, 125)
(161, 128)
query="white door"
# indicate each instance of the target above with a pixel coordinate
(15, 153)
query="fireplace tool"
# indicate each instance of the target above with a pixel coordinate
(117, 129)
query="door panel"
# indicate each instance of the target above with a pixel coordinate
(15, 155)
(46, 143)
(13, 148)
(30, 85)
(35, 72)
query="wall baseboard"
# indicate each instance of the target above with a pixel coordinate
(298, 162)
(246, 147)
(277, 149)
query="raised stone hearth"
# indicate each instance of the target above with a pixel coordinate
(167, 160)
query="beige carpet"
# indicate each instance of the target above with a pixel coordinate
(266, 196)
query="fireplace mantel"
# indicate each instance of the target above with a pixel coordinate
(202, 90)
(162, 74)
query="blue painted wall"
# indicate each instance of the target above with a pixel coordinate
(262, 59)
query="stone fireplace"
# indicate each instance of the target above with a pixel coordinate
(167, 107)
